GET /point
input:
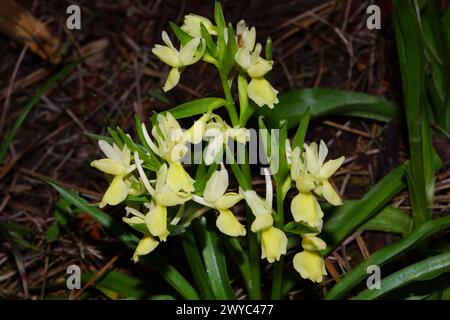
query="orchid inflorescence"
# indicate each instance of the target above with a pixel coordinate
(163, 199)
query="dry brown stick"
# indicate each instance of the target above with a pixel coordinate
(25, 82)
(350, 130)
(362, 247)
(332, 270)
(18, 23)
(97, 276)
(10, 87)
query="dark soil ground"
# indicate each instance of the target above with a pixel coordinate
(316, 44)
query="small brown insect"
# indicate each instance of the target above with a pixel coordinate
(240, 41)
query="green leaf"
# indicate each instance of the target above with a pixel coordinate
(221, 25)
(283, 169)
(150, 162)
(387, 254)
(116, 137)
(195, 107)
(52, 233)
(191, 250)
(240, 177)
(239, 256)
(431, 266)
(300, 135)
(209, 41)
(98, 137)
(347, 218)
(324, 102)
(227, 61)
(390, 219)
(412, 66)
(214, 258)
(269, 49)
(299, 228)
(29, 106)
(180, 34)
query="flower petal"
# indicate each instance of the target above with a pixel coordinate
(323, 151)
(187, 53)
(178, 179)
(262, 92)
(109, 151)
(305, 183)
(310, 265)
(312, 158)
(262, 223)
(167, 55)
(145, 246)
(109, 166)
(213, 149)
(170, 199)
(330, 167)
(116, 193)
(156, 221)
(313, 243)
(260, 68)
(229, 225)
(256, 203)
(228, 200)
(305, 208)
(330, 194)
(216, 185)
(172, 79)
(273, 244)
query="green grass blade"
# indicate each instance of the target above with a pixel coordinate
(412, 66)
(197, 106)
(195, 262)
(29, 106)
(347, 218)
(239, 256)
(425, 268)
(387, 254)
(214, 258)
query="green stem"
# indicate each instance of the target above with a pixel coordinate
(255, 293)
(231, 108)
(195, 263)
(277, 281)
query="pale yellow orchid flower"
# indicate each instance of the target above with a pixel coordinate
(246, 38)
(218, 132)
(273, 244)
(163, 196)
(322, 171)
(309, 263)
(216, 197)
(261, 208)
(178, 59)
(137, 221)
(170, 144)
(248, 57)
(116, 163)
(192, 23)
(145, 246)
(305, 208)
